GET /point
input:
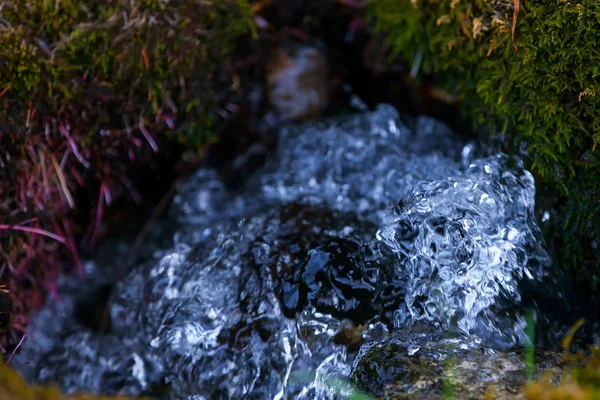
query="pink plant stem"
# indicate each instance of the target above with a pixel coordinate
(64, 158)
(107, 195)
(73, 145)
(32, 153)
(16, 348)
(44, 175)
(27, 221)
(62, 146)
(5, 90)
(352, 3)
(46, 129)
(34, 177)
(131, 188)
(137, 142)
(29, 254)
(51, 284)
(148, 137)
(36, 231)
(223, 114)
(9, 261)
(169, 122)
(231, 107)
(48, 173)
(172, 105)
(22, 192)
(76, 175)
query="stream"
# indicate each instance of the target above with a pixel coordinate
(364, 242)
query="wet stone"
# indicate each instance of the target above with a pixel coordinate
(410, 365)
(298, 82)
(334, 280)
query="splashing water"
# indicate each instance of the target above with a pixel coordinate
(356, 219)
(462, 245)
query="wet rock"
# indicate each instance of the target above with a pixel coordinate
(420, 366)
(311, 256)
(335, 280)
(298, 82)
(351, 335)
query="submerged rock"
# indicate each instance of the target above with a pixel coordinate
(355, 221)
(335, 280)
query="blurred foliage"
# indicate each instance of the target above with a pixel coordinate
(14, 387)
(580, 379)
(538, 91)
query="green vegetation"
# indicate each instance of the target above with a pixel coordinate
(580, 379)
(90, 93)
(448, 392)
(541, 90)
(149, 60)
(529, 348)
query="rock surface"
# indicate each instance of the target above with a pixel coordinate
(418, 366)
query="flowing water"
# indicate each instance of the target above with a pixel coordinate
(356, 229)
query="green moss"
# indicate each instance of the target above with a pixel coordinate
(544, 93)
(140, 53)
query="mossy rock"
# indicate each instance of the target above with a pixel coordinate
(540, 91)
(423, 369)
(580, 380)
(419, 369)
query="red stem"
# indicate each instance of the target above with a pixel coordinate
(73, 145)
(148, 137)
(37, 231)
(16, 348)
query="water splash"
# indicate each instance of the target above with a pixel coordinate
(357, 218)
(464, 246)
